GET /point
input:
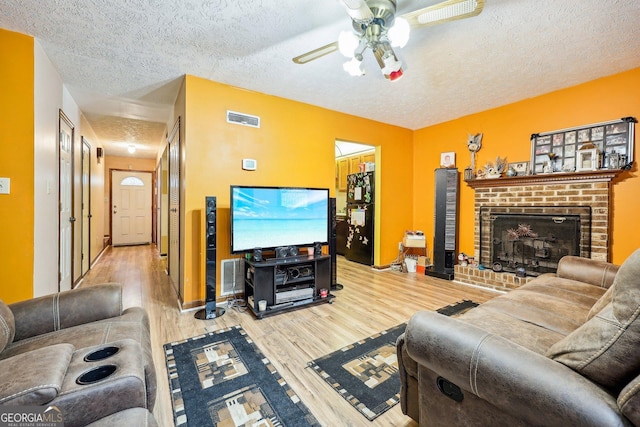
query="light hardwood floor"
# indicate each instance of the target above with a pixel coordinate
(371, 301)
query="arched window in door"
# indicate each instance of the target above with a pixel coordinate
(132, 181)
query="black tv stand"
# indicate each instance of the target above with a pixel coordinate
(287, 283)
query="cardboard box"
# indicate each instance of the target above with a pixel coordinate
(414, 242)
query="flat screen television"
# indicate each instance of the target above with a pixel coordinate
(271, 217)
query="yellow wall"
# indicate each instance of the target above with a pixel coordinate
(16, 162)
(294, 146)
(507, 131)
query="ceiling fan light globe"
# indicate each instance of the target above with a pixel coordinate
(354, 67)
(347, 43)
(398, 35)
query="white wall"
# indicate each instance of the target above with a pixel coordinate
(50, 96)
(47, 102)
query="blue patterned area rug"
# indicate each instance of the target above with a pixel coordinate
(223, 379)
(365, 373)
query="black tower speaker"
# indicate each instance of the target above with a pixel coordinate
(210, 310)
(335, 286)
(446, 224)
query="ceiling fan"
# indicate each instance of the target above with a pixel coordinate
(376, 27)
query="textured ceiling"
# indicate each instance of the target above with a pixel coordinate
(122, 60)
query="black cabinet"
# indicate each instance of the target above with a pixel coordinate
(287, 283)
(446, 224)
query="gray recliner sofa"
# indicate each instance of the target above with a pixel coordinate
(80, 352)
(562, 350)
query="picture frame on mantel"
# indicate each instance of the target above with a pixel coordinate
(587, 160)
(521, 168)
(559, 150)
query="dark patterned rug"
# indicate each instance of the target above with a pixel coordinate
(365, 372)
(223, 379)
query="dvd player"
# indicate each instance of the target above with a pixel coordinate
(294, 295)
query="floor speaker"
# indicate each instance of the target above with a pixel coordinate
(335, 286)
(446, 223)
(210, 310)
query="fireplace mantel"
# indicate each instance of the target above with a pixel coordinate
(603, 175)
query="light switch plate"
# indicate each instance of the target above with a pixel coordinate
(5, 185)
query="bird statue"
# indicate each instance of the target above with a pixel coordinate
(474, 142)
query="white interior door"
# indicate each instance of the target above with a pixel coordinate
(131, 205)
(65, 195)
(86, 207)
(174, 209)
(163, 205)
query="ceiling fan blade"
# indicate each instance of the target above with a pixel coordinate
(316, 53)
(358, 10)
(446, 11)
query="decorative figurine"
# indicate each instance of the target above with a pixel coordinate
(463, 258)
(495, 171)
(474, 142)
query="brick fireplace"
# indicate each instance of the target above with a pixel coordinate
(557, 191)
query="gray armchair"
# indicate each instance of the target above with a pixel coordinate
(79, 351)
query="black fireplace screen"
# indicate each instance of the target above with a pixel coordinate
(533, 243)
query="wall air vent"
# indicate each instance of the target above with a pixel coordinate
(232, 277)
(243, 119)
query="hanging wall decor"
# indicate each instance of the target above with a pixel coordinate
(606, 145)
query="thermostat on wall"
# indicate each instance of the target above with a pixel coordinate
(249, 164)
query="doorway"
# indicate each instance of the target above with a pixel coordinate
(131, 207)
(162, 203)
(349, 158)
(357, 193)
